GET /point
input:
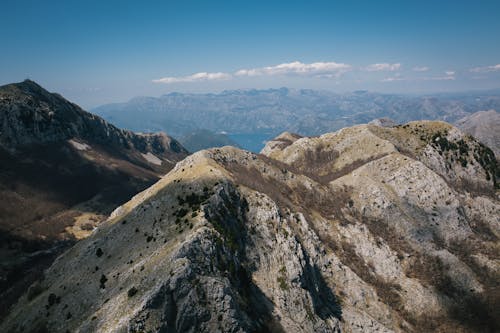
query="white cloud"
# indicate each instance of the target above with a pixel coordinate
(392, 79)
(440, 78)
(395, 77)
(421, 69)
(486, 69)
(383, 67)
(317, 69)
(197, 77)
(449, 76)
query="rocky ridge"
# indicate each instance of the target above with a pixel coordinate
(62, 171)
(46, 140)
(368, 229)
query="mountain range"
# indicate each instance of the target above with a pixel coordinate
(272, 111)
(62, 171)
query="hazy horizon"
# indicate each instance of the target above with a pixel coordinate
(96, 53)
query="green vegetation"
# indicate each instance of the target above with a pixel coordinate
(193, 201)
(281, 279)
(440, 141)
(53, 299)
(181, 212)
(459, 151)
(132, 291)
(282, 282)
(486, 158)
(102, 281)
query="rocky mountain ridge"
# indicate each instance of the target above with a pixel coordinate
(32, 115)
(45, 136)
(62, 171)
(368, 229)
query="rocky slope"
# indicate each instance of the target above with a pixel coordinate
(369, 229)
(62, 171)
(62, 156)
(485, 126)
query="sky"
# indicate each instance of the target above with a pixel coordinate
(100, 51)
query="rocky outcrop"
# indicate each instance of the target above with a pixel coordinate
(369, 229)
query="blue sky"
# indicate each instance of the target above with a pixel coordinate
(95, 52)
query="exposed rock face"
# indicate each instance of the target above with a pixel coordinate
(485, 126)
(369, 229)
(62, 171)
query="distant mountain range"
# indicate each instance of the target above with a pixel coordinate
(272, 111)
(62, 171)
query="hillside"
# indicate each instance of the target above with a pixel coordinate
(485, 126)
(368, 229)
(62, 171)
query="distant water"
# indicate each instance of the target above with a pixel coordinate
(253, 142)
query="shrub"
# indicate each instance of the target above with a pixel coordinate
(132, 291)
(282, 282)
(102, 281)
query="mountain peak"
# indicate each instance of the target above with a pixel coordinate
(27, 86)
(28, 83)
(32, 115)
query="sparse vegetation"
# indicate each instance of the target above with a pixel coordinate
(102, 281)
(281, 279)
(53, 299)
(132, 291)
(486, 158)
